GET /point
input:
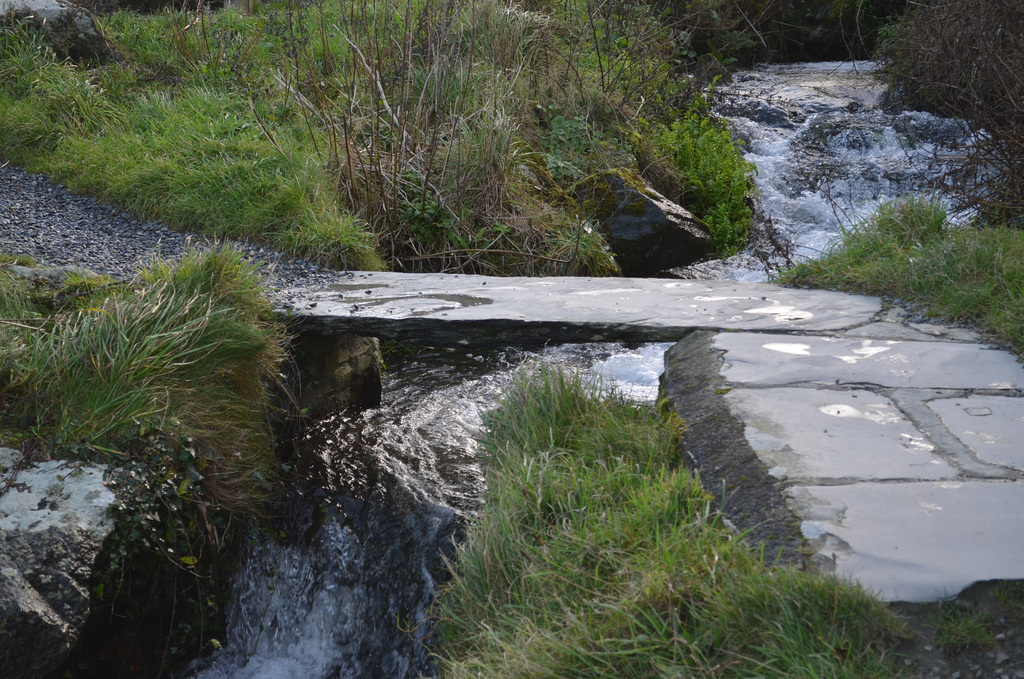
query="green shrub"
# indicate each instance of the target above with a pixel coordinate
(718, 181)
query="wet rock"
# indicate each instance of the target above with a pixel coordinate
(335, 372)
(53, 519)
(647, 232)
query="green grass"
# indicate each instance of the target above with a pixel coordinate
(166, 381)
(360, 136)
(958, 628)
(598, 556)
(911, 251)
(189, 349)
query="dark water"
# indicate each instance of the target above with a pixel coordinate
(379, 499)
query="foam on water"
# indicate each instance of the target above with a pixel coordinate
(826, 153)
(634, 373)
(381, 499)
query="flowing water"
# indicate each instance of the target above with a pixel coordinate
(826, 151)
(380, 496)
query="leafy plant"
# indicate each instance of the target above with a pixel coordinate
(718, 181)
(566, 143)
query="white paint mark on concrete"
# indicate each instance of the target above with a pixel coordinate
(840, 410)
(911, 442)
(612, 291)
(793, 348)
(782, 312)
(987, 438)
(879, 413)
(813, 529)
(866, 350)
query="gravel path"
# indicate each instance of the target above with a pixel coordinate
(47, 222)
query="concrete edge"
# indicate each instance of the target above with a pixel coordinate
(716, 447)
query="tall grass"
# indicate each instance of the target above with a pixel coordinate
(413, 134)
(598, 556)
(910, 250)
(167, 382)
(189, 351)
(190, 154)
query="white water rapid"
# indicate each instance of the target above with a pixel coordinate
(826, 151)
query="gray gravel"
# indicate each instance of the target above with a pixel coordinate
(47, 222)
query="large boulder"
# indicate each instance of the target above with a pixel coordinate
(647, 232)
(53, 520)
(70, 30)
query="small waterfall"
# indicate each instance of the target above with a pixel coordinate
(380, 496)
(342, 589)
(826, 151)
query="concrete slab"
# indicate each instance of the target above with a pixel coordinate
(916, 541)
(804, 434)
(992, 427)
(760, 359)
(459, 309)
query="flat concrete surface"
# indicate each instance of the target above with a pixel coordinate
(443, 309)
(834, 431)
(902, 460)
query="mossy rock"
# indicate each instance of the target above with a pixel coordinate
(70, 30)
(647, 232)
(536, 174)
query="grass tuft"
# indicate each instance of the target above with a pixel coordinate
(958, 628)
(598, 556)
(909, 249)
(190, 350)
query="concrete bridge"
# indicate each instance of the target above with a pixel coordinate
(888, 451)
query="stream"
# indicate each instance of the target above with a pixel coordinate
(381, 498)
(382, 495)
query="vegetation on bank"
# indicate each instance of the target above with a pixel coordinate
(415, 135)
(909, 249)
(597, 555)
(964, 59)
(168, 379)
